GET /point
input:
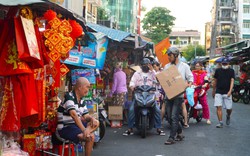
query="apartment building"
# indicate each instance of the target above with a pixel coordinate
(122, 13)
(90, 10)
(233, 22)
(183, 38)
(244, 19)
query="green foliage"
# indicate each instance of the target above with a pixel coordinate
(157, 23)
(189, 51)
(102, 14)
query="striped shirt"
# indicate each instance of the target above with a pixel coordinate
(70, 103)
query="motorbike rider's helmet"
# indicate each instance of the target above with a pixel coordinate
(144, 65)
(173, 50)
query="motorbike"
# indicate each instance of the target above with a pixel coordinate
(102, 117)
(246, 94)
(145, 100)
(238, 91)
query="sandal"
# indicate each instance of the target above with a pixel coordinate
(161, 132)
(185, 126)
(128, 132)
(170, 141)
(179, 137)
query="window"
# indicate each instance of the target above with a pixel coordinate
(246, 9)
(246, 1)
(225, 14)
(246, 23)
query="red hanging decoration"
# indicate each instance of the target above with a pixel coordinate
(76, 29)
(50, 15)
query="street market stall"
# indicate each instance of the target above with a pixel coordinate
(35, 36)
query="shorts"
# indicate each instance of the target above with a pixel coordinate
(223, 100)
(71, 132)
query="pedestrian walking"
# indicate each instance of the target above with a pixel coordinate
(174, 105)
(222, 91)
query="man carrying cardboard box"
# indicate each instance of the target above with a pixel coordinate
(174, 104)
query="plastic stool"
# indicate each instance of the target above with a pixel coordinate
(66, 144)
(62, 149)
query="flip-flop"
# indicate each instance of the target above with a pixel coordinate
(160, 132)
(185, 126)
(169, 142)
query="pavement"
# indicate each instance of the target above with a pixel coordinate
(200, 138)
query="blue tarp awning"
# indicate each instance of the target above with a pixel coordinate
(113, 34)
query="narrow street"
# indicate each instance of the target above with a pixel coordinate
(201, 139)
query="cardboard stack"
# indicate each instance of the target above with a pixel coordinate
(115, 114)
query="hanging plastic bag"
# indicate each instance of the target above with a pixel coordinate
(190, 96)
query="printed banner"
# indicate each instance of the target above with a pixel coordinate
(87, 73)
(92, 56)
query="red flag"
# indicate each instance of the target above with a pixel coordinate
(160, 50)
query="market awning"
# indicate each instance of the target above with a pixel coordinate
(235, 47)
(113, 34)
(213, 60)
(42, 6)
(200, 59)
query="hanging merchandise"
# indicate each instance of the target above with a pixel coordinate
(26, 37)
(59, 35)
(9, 62)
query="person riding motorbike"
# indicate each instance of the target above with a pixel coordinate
(138, 80)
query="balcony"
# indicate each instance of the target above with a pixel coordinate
(95, 2)
(227, 4)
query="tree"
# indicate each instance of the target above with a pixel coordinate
(189, 51)
(157, 23)
(102, 14)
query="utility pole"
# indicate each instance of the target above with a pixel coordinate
(214, 28)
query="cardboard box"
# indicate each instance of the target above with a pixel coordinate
(115, 113)
(172, 82)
